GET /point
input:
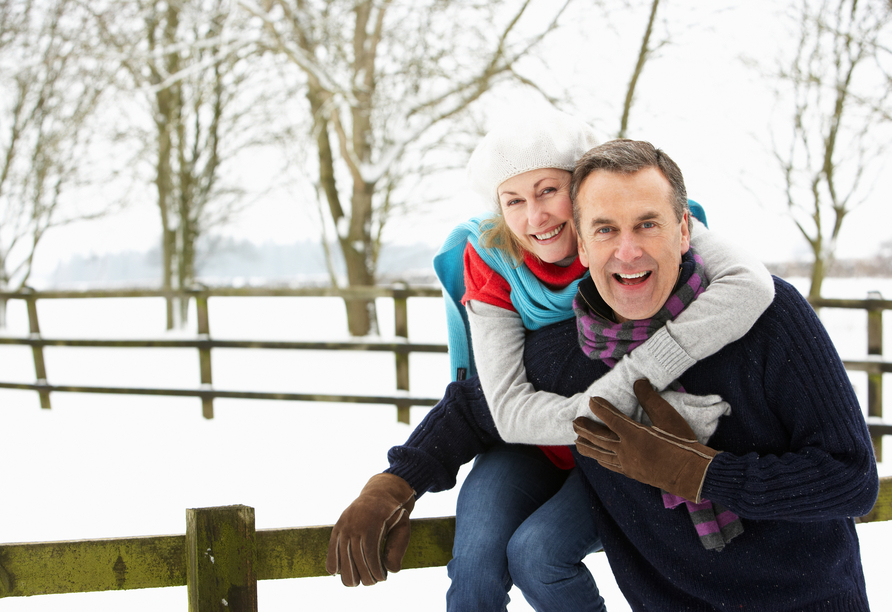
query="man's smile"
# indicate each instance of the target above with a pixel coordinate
(632, 279)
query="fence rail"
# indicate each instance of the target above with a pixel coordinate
(221, 556)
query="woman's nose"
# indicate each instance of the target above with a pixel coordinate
(537, 213)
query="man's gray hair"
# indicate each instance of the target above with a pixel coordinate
(628, 157)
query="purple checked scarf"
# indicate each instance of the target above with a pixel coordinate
(601, 338)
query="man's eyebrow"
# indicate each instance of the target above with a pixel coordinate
(647, 215)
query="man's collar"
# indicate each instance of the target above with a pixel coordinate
(588, 293)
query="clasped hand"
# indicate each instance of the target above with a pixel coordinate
(665, 455)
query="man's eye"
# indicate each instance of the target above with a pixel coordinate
(648, 224)
(603, 230)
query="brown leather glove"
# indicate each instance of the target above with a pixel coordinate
(372, 534)
(666, 455)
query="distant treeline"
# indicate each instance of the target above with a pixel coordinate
(879, 266)
(225, 261)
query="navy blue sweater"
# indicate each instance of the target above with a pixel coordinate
(797, 463)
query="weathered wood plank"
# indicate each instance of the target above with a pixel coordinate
(160, 561)
(387, 346)
(300, 553)
(81, 566)
(345, 292)
(398, 398)
(204, 354)
(220, 554)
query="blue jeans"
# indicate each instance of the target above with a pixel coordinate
(521, 520)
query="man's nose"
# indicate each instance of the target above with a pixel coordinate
(628, 248)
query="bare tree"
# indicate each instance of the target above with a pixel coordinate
(48, 95)
(383, 82)
(647, 49)
(197, 114)
(840, 119)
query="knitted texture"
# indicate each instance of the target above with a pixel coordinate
(548, 139)
(452, 433)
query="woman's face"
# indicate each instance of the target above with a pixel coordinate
(537, 209)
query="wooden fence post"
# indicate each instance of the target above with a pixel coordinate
(204, 354)
(875, 379)
(37, 351)
(401, 330)
(221, 557)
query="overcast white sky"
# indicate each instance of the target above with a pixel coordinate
(697, 100)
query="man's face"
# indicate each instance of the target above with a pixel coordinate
(630, 240)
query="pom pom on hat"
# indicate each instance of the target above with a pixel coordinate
(549, 139)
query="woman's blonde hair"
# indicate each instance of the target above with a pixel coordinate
(495, 234)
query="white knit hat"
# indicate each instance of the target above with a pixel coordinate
(549, 139)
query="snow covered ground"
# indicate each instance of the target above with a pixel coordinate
(112, 466)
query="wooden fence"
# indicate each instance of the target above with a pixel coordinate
(220, 558)
(399, 346)
(873, 364)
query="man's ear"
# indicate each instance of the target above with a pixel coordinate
(685, 233)
(580, 247)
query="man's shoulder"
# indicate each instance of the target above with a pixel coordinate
(788, 299)
(784, 291)
(789, 314)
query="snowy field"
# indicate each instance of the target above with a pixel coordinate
(112, 466)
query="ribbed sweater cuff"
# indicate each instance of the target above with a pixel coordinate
(661, 359)
(417, 479)
(724, 479)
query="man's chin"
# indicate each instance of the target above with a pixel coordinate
(625, 311)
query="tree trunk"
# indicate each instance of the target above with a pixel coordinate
(818, 270)
(362, 315)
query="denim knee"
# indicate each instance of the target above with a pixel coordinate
(532, 562)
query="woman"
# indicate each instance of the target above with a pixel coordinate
(522, 514)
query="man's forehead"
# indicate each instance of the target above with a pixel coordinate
(606, 196)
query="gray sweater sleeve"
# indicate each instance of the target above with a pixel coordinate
(740, 290)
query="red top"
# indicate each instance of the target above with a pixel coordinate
(485, 285)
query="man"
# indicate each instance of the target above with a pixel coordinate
(793, 460)
(796, 460)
